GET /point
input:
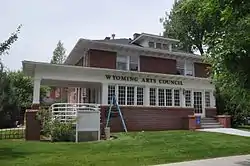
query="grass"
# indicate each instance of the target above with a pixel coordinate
(147, 148)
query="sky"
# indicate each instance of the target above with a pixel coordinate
(45, 22)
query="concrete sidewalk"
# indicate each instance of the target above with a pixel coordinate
(224, 161)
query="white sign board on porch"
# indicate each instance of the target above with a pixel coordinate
(88, 121)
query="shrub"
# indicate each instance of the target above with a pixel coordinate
(54, 129)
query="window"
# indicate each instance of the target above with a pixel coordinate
(130, 95)
(165, 46)
(152, 96)
(151, 44)
(188, 98)
(121, 62)
(207, 99)
(133, 63)
(180, 64)
(122, 95)
(161, 97)
(168, 97)
(111, 92)
(140, 94)
(176, 97)
(158, 45)
(189, 68)
(185, 67)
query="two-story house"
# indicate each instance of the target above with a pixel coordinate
(156, 86)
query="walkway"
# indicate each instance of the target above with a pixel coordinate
(224, 161)
(228, 131)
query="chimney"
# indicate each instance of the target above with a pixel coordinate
(135, 35)
(107, 38)
(113, 36)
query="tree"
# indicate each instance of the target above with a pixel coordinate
(58, 54)
(23, 86)
(8, 99)
(227, 35)
(59, 57)
(183, 25)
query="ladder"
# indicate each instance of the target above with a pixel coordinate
(115, 103)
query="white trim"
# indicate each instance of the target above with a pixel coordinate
(154, 36)
(36, 91)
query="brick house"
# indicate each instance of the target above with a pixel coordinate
(156, 86)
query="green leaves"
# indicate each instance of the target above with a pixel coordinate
(59, 54)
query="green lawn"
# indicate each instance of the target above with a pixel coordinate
(129, 149)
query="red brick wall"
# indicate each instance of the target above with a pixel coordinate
(102, 59)
(210, 112)
(201, 70)
(157, 65)
(149, 118)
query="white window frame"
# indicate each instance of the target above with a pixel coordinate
(176, 98)
(207, 99)
(127, 61)
(185, 99)
(137, 95)
(184, 67)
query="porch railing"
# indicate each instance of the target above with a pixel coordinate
(67, 112)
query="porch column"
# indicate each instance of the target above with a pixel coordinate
(182, 98)
(36, 91)
(146, 96)
(104, 93)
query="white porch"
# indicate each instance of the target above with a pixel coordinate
(130, 87)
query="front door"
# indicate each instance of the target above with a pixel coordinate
(198, 106)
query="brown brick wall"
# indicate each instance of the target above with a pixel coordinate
(149, 118)
(102, 59)
(201, 70)
(157, 65)
(210, 112)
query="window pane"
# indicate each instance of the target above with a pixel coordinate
(140, 92)
(165, 46)
(121, 58)
(168, 97)
(158, 45)
(188, 98)
(122, 95)
(161, 99)
(133, 67)
(152, 96)
(207, 99)
(130, 95)
(151, 44)
(180, 67)
(111, 93)
(176, 97)
(121, 66)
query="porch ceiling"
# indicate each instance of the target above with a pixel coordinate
(66, 83)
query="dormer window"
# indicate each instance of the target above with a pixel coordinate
(158, 45)
(151, 44)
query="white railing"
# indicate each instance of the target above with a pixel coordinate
(66, 112)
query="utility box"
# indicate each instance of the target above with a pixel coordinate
(88, 125)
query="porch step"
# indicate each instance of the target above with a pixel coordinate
(208, 126)
(210, 123)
